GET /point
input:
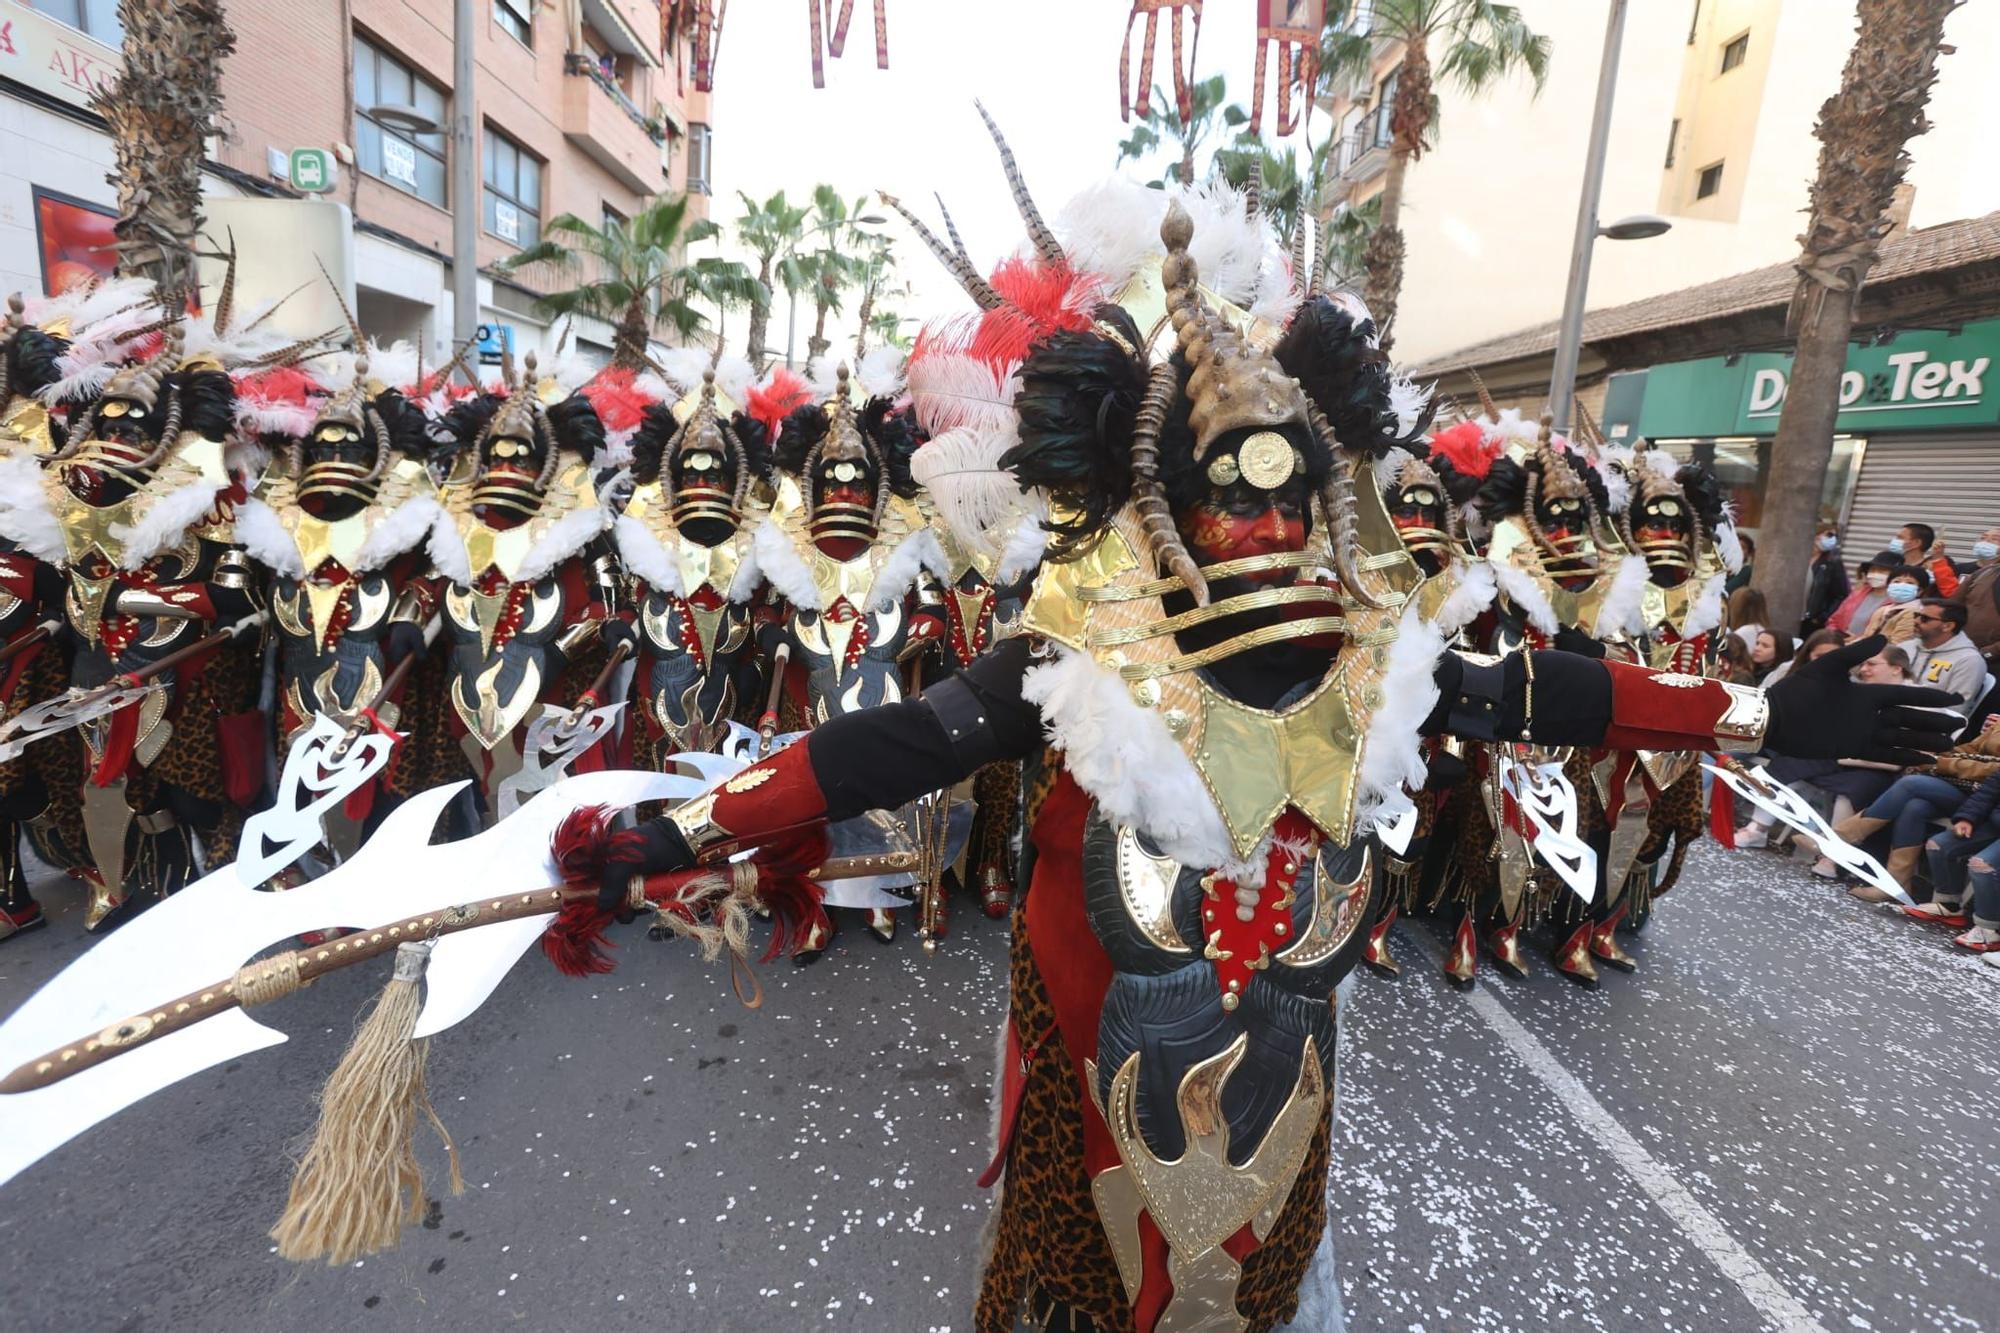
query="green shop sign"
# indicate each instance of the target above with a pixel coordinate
(1923, 380)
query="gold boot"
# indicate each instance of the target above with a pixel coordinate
(1377, 954)
(1572, 957)
(1505, 946)
(1604, 945)
(882, 921)
(1462, 964)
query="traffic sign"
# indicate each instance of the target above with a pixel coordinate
(312, 170)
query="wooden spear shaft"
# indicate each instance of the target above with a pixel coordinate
(281, 974)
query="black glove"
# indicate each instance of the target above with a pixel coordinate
(658, 848)
(231, 604)
(1818, 713)
(615, 632)
(403, 639)
(1576, 641)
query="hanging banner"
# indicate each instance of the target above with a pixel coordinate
(1140, 98)
(829, 34)
(700, 21)
(1293, 26)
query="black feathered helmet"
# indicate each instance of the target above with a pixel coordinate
(1673, 515)
(707, 461)
(517, 441)
(1100, 428)
(1559, 497)
(28, 364)
(145, 408)
(835, 450)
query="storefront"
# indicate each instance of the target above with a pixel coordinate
(1917, 438)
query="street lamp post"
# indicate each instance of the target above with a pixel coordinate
(464, 180)
(1569, 339)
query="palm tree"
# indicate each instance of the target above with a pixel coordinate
(161, 110)
(1283, 195)
(1482, 44)
(1347, 239)
(771, 231)
(880, 265)
(1863, 130)
(835, 265)
(633, 273)
(1160, 122)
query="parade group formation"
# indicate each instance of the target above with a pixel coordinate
(1143, 602)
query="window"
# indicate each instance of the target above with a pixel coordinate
(98, 18)
(1385, 100)
(412, 162)
(612, 218)
(1732, 54)
(513, 204)
(699, 148)
(518, 18)
(1710, 183)
(1673, 137)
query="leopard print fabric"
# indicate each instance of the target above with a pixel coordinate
(1046, 1235)
(997, 790)
(1676, 817)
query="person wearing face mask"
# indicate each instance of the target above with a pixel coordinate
(1900, 596)
(1868, 594)
(1979, 589)
(1922, 549)
(1827, 586)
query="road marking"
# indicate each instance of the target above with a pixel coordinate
(1699, 1225)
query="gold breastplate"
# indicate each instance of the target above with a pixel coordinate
(507, 549)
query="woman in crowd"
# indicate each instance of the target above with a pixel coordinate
(1965, 862)
(1733, 661)
(1741, 578)
(1769, 651)
(1870, 591)
(1828, 586)
(1747, 615)
(1915, 801)
(1894, 618)
(1817, 645)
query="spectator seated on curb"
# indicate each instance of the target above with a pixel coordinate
(1965, 860)
(1871, 587)
(1943, 654)
(1923, 548)
(1917, 800)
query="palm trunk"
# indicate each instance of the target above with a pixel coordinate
(160, 112)
(721, 334)
(760, 318)
(817, 344)
(1863, 132)
(628, 347)
(867, 310)
(1187, 164)
(1409, 121)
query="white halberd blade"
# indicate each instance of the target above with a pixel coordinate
(203, 934)
(553, 743)
(1547, 799)
(322, 769)
(1787, 805)
(1395, 831)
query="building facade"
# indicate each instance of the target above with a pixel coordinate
(579, 107)
(1711, 127)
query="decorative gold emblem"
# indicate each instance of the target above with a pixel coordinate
(748, 780)
(1267, 460)
(1679, 681)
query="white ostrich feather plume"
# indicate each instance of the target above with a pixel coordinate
(1727, 544)
(84, 305)
(734, 376)
(951, 391)
(880, 372)
(1408, 399)
(683, 368)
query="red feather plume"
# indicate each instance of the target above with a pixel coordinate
(575, 942)
(618, 401)
(1467, 448)
(777, 398)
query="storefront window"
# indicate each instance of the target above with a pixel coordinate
(1743, 466)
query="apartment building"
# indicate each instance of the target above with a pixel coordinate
(1711, 128)
(580, 110)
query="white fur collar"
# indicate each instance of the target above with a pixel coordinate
(25, 516)
(1392, 757)
(1706, 613)
(1525, 593)
(264, 537)
(646, 555)
(1620, 612)
(1471, 594)
(563, 539)
(447, 552)
(163, 522)
(1023, 551)
(779, 561)
(399, 530)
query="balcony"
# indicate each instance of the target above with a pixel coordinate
(600, 119)
(1364, 151)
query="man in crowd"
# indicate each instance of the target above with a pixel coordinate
(1922, 550)
(1943, 654)
(1979, 589)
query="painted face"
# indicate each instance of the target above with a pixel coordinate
(1418, 512)
(1254, 504)
(109, 465)
(508, 492)
(337, 457)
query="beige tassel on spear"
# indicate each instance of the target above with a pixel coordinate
(359, 1184)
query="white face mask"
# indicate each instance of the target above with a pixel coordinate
(1986, 550)
(1878, 580)
(1902, 592)
(1828, 542)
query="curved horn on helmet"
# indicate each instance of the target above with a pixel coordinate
(956, 264)
(1039, 235)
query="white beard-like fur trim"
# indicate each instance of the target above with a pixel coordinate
(1706, 613)
(645, 555)
(1392, 756)
(1729, 546)
(749, 578)
(1407, 399)
(880, 372)
(1124, 757)
(447, 552)
(1320, 1308)
(617, 450)
(1620, 611)
(1522, 592)
(914, 554)
(683, 367)
(783, 568)
(1474, 593)
(733, 377)
(25, 516)
(264, 537)
(564, 538)
(399, 530)
(163, 524)
(1389, 467)
(1024, 549)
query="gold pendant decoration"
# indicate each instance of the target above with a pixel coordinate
(322, 599)
(1339, 907)
(1199, 1199)
(1146, 887)
(1256, 762)
(492, 719)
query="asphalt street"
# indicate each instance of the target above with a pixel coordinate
(1785, 1119)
